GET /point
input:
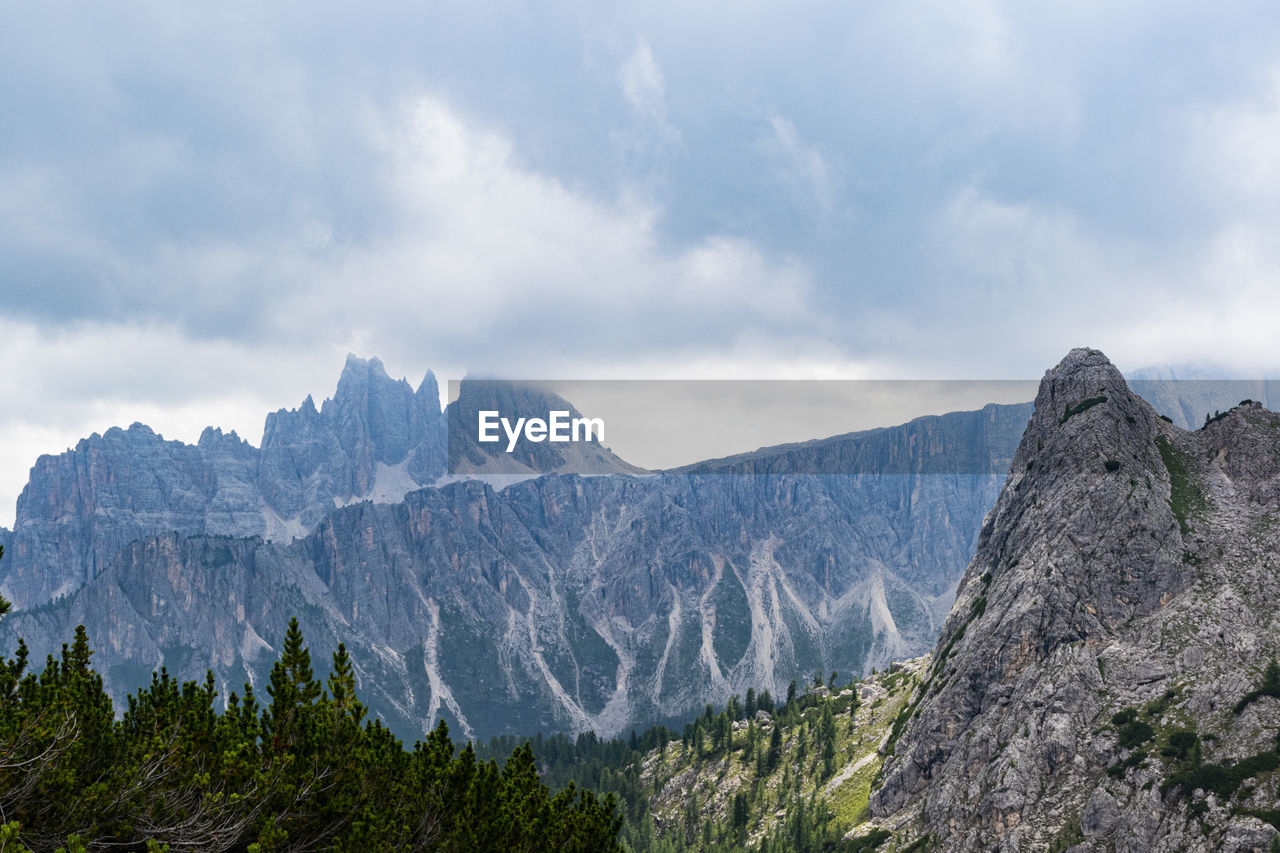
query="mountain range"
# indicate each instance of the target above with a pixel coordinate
(558, 602)
(534, 602)
(1106, 680)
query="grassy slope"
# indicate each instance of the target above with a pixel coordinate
(683, 785)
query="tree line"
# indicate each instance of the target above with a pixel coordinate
(302, 769)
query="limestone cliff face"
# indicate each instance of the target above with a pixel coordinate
(564, 602)
(376, 439)
(1124, 588)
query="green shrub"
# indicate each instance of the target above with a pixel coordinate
(1134, 733)
(871, 841)
(1084, 405)
(1185, 497)
(1269, 686)
(1124, 715)
(1222, 779)
(1181, 743)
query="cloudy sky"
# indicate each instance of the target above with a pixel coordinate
(203, 209)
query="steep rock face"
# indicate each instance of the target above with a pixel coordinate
(967, 443)
(1127, 569)
(81, 507)
(376, 438)
(561, 602)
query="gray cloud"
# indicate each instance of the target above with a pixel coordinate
(204, 209)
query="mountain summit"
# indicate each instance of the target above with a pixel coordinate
(1122, 602)
(376, 439)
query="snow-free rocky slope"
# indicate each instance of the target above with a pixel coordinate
(375, 439)
(559, 602)
(1123, 599)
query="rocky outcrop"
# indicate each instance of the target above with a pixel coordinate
(376, 438)
(1124, 589)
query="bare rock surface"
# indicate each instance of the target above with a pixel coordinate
(1124, 589)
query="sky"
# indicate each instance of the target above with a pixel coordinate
(204, 208)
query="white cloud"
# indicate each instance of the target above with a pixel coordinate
(645, 90)
(486, 265)
(204, 211)
(1040, 280)
(1233, 149)
(483, 244)
(802, 167)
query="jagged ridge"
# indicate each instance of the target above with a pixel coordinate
(376, 438)
(561, 602)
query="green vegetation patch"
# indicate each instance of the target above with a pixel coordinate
(1271, 816)
(1069, 836)
(1135, 733)
(297, 767)
(1186, 498)
(1222, 779)
(1083, 406)
(851, 802)
(1137, 758)
(1270, 686)
(871, 841)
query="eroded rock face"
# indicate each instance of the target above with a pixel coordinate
(377, 438)
(1126, 565)
(564, 602)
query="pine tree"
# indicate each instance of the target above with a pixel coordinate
(741, 812)
(173, 772)
(1271, 679)
(827, 724)
(5, 606)
(342, 687)
(775, 747)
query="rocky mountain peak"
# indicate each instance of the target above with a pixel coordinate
(520, 400)
(361, 379)
(1125, 565)
(376, 439)
(429, 391)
